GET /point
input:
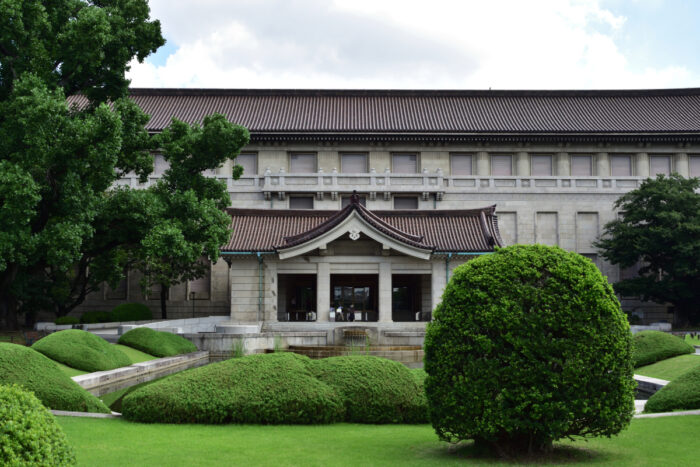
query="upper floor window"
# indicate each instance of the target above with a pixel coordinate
(461, 164)
(659, 165)
(404, 163)
(405, 202)
(581, 166)
(694, 163)
(621, 166)
(302, 163)
(200, 289)
(301, 202)
(249, 162)
(501, 165)
(345, 200)
(353, 163)
(541, 165)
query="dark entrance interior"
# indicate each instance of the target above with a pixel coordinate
(407, 298)
(296, 299)
(355, 293)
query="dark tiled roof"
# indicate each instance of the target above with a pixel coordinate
(473, 230)
(450, 112)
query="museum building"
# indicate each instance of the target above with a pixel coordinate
(368, 199)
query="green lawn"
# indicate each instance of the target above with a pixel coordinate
(134, 355)
(671, 368)
(105, 442)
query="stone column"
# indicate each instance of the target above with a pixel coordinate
(562, 167)
(641, 168)
(385, 292)
(681, 164)
(482, 164)
(522, 164)
(269, 311)
(437, 286)
(602, 165)
(323, 291)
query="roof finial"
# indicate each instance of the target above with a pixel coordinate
(354, 199)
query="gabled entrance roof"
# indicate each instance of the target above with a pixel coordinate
(416, 233)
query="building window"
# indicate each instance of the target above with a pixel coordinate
(541, 166)
(200, 289)
(461, 164)
(404, 163)
(694, 163)
(301, 202)
(501, 165)
(302, 163)
(353, 163)
(405, 202)
(249, 162)
(621, 166)
(345, 200)
(659, 165)
(581, 166)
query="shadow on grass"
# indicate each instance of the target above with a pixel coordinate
(560, 454)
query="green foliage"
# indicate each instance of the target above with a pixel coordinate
(67, 320)
(652, 346)
(82, 350)
(238, 348)
(30, 434)
(661, 230)
(528, 346)
(682, 393)
(374, 390)
(37, 373)
(276, 388)
(158, 343)
(131, 312)
(671, 368)
(92, 317)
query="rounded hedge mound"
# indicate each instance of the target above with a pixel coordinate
(652, 346)
(158, 343)
(274, 388)
(37, 373)
(131, 312)
(30, 434)
(81, 350)
(682, 393)
(92, 317)
(528, 346)
(373, 389)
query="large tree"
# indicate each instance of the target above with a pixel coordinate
(57, 162)
(659, 229)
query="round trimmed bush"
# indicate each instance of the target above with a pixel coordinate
(652, 346)
(66, 320)
(30, 434)
(276, 388)
(92, 317)
(528, 346)
(374, 390)
(683, 393)
(37, 373)
(81, 350)
(158, 343)
(131, 312)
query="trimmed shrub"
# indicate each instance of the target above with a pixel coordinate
(276, 388)
(30, 434)
(37, 373)
(131, 312)
(81, 350)
(651, 346)
(418, 412)
(67, 320)
(374, 390)
(528, 346)
(92, 317)
(158, 343)
(683, 393)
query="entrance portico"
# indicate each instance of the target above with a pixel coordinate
(382, 267)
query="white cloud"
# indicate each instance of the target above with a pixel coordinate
(395, 44)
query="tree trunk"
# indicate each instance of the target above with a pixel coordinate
(163, 297)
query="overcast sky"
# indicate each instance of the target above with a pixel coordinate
(428, 44)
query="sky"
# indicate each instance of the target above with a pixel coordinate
(428, 44)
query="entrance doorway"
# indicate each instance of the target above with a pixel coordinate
(407, 297)
(296, 299)
(356, 294)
